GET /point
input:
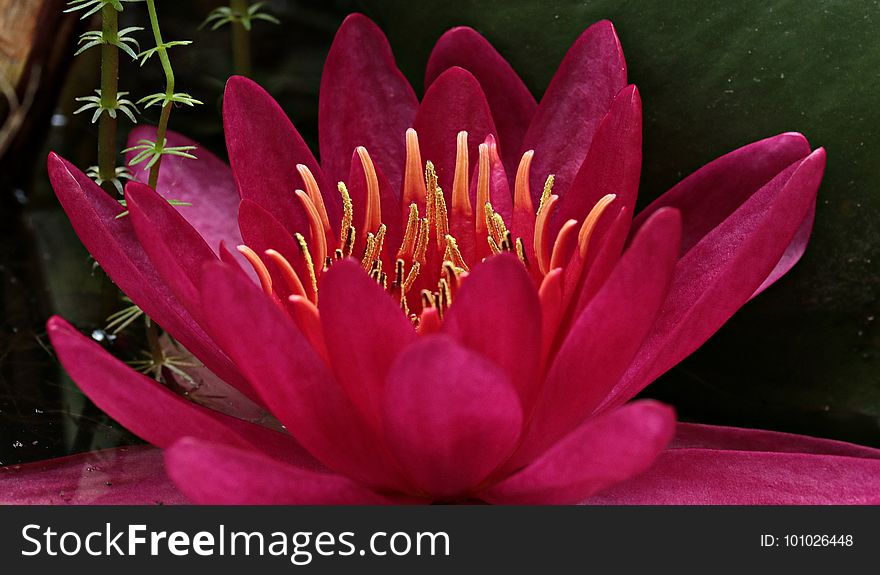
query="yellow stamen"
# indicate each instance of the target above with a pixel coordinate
(319, 239)
(542, 231)
(413, 184)
(380, 242)
(562, 238)
(442, 218)
(411, 277)
(590, 223)
(259, 267)
(545, 195)
(347, 218)
(367, 258)
(373, 214)
(315, 195)
(521, 252)
(409, 237)
(461, 201)
(522, 197)
(287, 272)
(310, 266)
(430, 192)
(421, 252)
(453, 254)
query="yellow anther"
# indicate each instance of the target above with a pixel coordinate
(411, 277)
(522, 197)
(545, 195)
(413, 184)
(421, 251)
(373, 214)
(348, 247)
(461, 201)
(493, 245)
(259, 267)
(380, 242)
(521, 252)
(430, 192)
(347, 217)
(367, 258)
(410, 236)
(310, 266)
(590, 223)
(542, 231)
(294, 284)
(442, 217)
(453, 254)
(319, 239)
(315, 195)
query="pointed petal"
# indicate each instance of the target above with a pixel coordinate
(205, 183)
(450, 416)
(354, 309)
(152, 411)
(721, 272)
(122, 476)
(213, 474)
(454, 102)
(291, 378)
(264, 149)
(365, 101)
(580, 94)
(510, 101)
(113, 244)
(497, 315)
(606, 336)
(601, 452)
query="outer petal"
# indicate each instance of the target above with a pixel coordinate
(451, 417)
(214, 474)
(721, 272)
(112, 243)
(601, 452)
(122, 476)
(206, 183)
(365, 101)
(580, 94)
(511, 102)
(497, 314)
(291, 378)
(454, 102)
(264, 149)
(606, 336)
(150, 410)
(354, 311)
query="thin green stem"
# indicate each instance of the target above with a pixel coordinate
(153, 341)
(162, 130)
(109, 92)
(241, 40)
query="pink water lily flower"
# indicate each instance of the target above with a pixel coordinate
(455, 305)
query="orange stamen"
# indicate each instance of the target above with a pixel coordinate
(319, 239)
(590, 223)
(542, 233)
(482, 191)
(522, 197)
(413, 183)
(307, 317)
(409, 237)
(461, 201)
(561, 246)
(294, 284)
(259, 267)
(373, 214)
(315, 195)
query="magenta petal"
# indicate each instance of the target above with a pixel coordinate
(205, 183)
(150, 410)
(122, 476)
(291, 378)
(454, 102)
(354, 310)
(721, 272)
(364, 101)
(613, 164)
(450, 416)
(113, 244)
(215, 474)
(606, 336)
(720, 477)
(497, 314)
(601, 452)
(580, 94)
(511, 102)
(264, 150)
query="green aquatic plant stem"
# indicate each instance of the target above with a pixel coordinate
(162, 130)
(107, 125)
(241, 39)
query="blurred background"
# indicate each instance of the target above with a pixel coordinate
(714, 75)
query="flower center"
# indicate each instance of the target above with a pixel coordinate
(438, 245)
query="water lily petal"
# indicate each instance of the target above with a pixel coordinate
(580, 94)
(209, 473)
(606, 336)
(291, 378)
(150, 410)
(722, 270)
(601, 452)
(364, 101)
(450, 416)
(511, 102)
(354, 310)
(454, 102)
(497, 314)
(113, 244)
(121, 476)
(205, 183)
(264, 150)
(719, 477)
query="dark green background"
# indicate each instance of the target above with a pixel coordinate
(713, 76)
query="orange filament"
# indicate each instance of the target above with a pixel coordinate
(319, 239)
(373, 214)
(315, 195)
(259, 267)
(413, 183)
(542, 227)
(287, 272)
(461, 201)
(563, 240)
(482, 190)
(522, 197)
(590, 223)
(307, 317)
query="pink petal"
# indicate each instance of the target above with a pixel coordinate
(613, 164)
(264, 150)
(206, 183)
(113, 244)
(122, 476)
(497, 315)
(601, 452)
(212, 474)
(510, 101)
(365, 101)
(721, 272)
(152, 411)
(291, 378)
(354, 309)
(450, 416)
(720, 477)
(454, 102)
(580, 94)
(606, 336)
